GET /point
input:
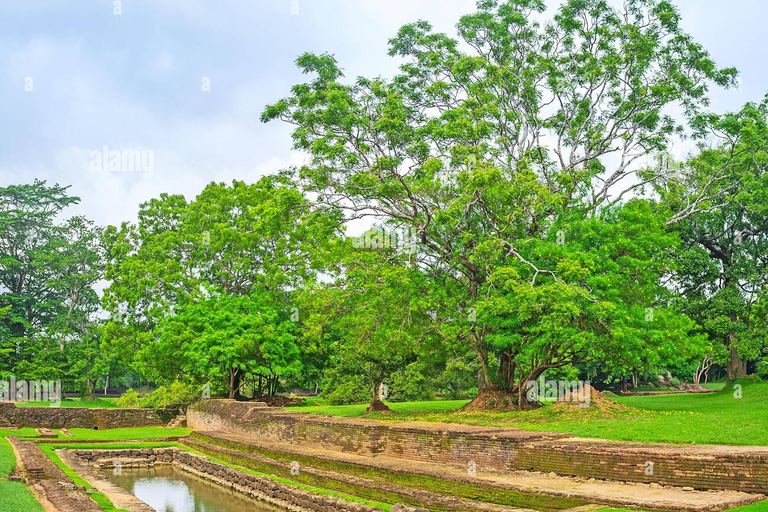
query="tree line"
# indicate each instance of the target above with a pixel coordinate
(551, 231)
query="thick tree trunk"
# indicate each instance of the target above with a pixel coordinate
(376, 405)
(501, 400)
(234, 383)
(736, 368)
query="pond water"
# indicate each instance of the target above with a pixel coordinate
(167, 489)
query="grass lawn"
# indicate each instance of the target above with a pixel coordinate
(717, 418)
(127, 434)
(7, 458)
(15, 497)
(96, 403)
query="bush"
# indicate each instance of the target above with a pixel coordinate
(410, 385)
(347, 390)
(176, 394)
(129, 400)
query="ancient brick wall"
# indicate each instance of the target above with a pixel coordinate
(75, 417)
(264, 489)
(727, 468)
(453, 444)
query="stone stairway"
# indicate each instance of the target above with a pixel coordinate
(451, 487)
(178, 421)
(33, 474)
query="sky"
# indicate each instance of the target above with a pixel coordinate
(185, 81)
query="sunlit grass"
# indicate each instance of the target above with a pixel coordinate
(716, 418)
(94, 403)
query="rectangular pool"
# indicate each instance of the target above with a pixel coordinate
(167, 489)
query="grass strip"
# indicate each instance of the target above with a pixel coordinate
(16, 497)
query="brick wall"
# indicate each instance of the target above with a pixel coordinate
(453, 444)
(742, 469)
(75, 417)
(283, 495)
(727, 468)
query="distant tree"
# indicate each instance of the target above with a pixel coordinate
(718, 203)
(235, 247)
(378, 308)
(227, 338)
(48, 272)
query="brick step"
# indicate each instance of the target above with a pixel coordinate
(34, 474)
(613, 493)
(179, 421)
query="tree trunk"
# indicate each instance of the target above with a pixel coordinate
(106, 385)
(376, 405)
(233, 383)
(736, 368)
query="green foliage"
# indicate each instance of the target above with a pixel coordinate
(409, 384)
(347, 389)
(717, 204)
(177, 393)
(202, 290)
(129, 400)
(491, 148)
(48, 305)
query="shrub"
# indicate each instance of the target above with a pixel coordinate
(177, 393)
(410, 385)
(129, 400)
(345, 390)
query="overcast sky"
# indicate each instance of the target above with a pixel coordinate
(75, 77)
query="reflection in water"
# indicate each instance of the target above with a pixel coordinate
(167, 489)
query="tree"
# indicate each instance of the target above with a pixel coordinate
(28, 233)
(378, 307)
(489, 145)
(227, 338)
(48, 270)
(717, 203)
(231, 244)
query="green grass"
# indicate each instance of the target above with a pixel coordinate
(7, 458)
(95, 403)
(760, 506)
(400, 408)
(715, 418)
(15, 497)
(127, 434)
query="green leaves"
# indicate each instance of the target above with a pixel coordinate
(216, 276)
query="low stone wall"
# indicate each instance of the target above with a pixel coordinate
(703, 467)
(452, 444)
(76, 417)
(264, 489)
